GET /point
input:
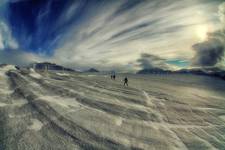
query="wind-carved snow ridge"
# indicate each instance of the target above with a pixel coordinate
(79, 111)
(34, 74)
(178, 142)
(149, 100)
(62, 74)
(5, 68)
(5, 90)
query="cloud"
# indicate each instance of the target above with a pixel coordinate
(6, 39)
(222, 13)
(148, 61)
(208, 53)
(107, 34)
(10, 51)
(211, 52)
(120, 32)
(18, 57)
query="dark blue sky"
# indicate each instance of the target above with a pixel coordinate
(33, 23)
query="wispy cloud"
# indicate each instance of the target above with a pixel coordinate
(6, 39)
(111, 34)
(159, 28)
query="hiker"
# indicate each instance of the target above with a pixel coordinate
(125, 81)
(114, 77)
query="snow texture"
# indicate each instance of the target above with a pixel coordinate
(53, 110)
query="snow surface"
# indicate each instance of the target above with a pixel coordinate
(62, 74)
(34, 74)
(85, 111)
(36, 125)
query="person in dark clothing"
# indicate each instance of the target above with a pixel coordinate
(114, 77)
(125, 81)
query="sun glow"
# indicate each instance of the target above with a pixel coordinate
(201, 32)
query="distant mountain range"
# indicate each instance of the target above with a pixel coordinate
(153, 71)
(52, 66)
(49, 66)
(92, 70)
(213, 71)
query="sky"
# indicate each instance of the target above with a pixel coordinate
(123, 35)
